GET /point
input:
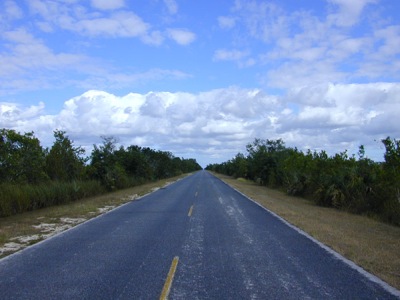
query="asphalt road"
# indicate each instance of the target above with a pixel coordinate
(228, 248)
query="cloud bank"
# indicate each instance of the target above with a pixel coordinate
(219, 123)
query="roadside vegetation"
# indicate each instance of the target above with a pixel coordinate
(33, 177)
(353, 184)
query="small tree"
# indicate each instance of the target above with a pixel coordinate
(64, 161)
(22, 158)
(105, 167)
(390, 181)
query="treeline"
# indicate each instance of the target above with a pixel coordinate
(355, 184)
(33, 177)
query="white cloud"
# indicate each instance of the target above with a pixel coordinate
(302, 47)
(174, 121)
(342, 116)
(181, 36)
(172, 6)
(12, 10)
(388, 39)
(310, 56)
(105, 79)
(28, 64)
(226, 22)
(155, 38)
(242, 58)
(119, 24)
(223, 121)
(108, 4)
(27, 59)
(76, 18)
(112, 21)
(263, 20)
(295, 74)
(223, 54)
(349, 11)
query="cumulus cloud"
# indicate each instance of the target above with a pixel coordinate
(221, 122)
(181, 36)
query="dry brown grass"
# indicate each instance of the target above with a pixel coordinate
(13, 228)
(372, 245)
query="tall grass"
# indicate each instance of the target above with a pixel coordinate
(20, 198)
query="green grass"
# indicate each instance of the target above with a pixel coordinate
(16, 199)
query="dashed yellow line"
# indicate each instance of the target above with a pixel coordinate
(190, 211)
(170, 277)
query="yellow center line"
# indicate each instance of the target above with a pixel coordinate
(168, 282)
(190, 211)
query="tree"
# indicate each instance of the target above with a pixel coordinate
(135, 163)
(239, 166)
(390, 181)
(64, 161)
(264, 158)
(104, 165)
(22, 158)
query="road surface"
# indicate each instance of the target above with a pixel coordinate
(195, 239)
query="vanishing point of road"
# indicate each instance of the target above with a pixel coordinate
(194, 239)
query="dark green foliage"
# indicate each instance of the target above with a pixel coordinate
(389, 181)
(356, 185)
(32, 178)
(64, 162)
(126, 167)
(22, 159)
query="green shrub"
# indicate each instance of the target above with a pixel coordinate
(16, 199)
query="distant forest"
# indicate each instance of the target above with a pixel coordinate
(355, 184)
(33, 177)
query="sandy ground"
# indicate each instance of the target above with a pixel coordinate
(46, 230)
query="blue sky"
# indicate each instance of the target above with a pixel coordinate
(203, 78)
